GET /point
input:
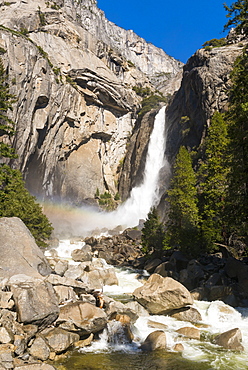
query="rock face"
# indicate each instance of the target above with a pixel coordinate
(161, 295)
(206, 79)
(19, 253)
(72, 72)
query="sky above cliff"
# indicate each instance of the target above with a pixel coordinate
(178, 27)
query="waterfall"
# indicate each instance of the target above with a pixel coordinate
(145, 196)
(86, 220)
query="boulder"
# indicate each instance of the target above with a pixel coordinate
(6, 300)
(231, 339)
(19, 254)
(136, 307)
(6, 336)
(85, 317)
(190, 332)
(35, 300)
(119, 332)
(65, 293)
(59, 340)
(6, 355)
(161, 295)
(155, 340)
(60, 267)
(156, 325)
(83, 254)
(166, 269)
(190, 314)
(39, 349)
(178, 347)
(114, 308)
(84, 342)
(151, 265)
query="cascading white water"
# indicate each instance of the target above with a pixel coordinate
(84, 221)
(146, 195)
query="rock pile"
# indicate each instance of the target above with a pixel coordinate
(47, 310)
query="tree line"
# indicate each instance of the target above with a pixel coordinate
(207, 198)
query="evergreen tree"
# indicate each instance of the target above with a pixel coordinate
(213, 182)
(6, 124)
(237, 118)
(182, 225)
(238, 16)
(15, 200)
(152, 233)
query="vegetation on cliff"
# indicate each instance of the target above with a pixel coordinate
(209, 201)
(15, 200)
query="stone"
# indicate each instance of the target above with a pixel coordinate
(61, 267)
(19, 253)
(85, 316)
(19, 344)
(155, 340)
(39, 349)
(114, 308)
(78, 286)
(6, 336)
(178, 347)
(6, 355)
(190, 314)
(83, 254)
(190, 332)
(136, 307)
(219, 292)
(35, 300)
(231, 339)
(200, 293)
(151, 265)
(65, 293)
(84, 342)
(161, 295)
(156, 325)
(60, 340)
(6, 300)
(165, 269)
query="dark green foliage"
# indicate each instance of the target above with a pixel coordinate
(151, 102)
(6, 124)
(212, 176)
(215, 43)
(42, 17)
(183, 223)
(142, 91)
(15, 201)
(237, 118)
(237, 14)
(24, 31)
(152, 233)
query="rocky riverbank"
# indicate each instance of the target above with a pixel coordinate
(49, 306)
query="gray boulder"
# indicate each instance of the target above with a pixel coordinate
(83, 254)
(35, 300)
(19, 254)
(161, 295)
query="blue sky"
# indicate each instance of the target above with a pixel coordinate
(179, 27)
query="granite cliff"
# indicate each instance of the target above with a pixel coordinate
(75, 76)
(73, 73)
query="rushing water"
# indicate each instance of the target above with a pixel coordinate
(87, 220)
(108, 354)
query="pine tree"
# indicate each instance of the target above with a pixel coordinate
(238, 16)
(237, 118)
(213, 182)
(15, 200)
(182, 225)
(152, 233)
